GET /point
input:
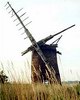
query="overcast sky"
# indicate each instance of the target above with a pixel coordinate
(48, 17)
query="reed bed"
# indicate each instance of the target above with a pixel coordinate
(38, 91)
(20, 91)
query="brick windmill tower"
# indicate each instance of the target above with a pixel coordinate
(44, 56)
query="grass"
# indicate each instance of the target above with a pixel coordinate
(37, 91)
(18, 91)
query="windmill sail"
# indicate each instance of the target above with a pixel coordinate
(43, 41)
(34, 43)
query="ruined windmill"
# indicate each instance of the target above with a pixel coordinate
(44, 56)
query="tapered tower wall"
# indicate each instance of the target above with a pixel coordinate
(38, 66)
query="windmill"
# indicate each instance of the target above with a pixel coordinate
(44, 59)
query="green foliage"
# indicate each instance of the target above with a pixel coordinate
(78, 89)
(3, 77)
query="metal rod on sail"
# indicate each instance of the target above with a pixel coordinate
(57, 40)
(25, 19)
(19, 10)
(23, 14)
